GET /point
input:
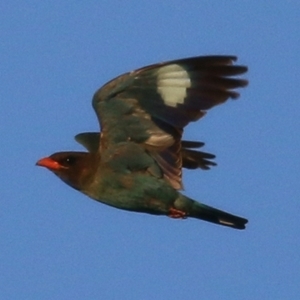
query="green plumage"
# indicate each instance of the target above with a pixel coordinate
(136, 162)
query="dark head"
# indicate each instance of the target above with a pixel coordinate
(74, 168)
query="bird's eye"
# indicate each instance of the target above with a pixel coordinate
(70, 160)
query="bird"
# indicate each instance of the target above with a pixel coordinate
(135, 162)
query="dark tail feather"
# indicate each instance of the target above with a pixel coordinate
(210, 214)
(204, 212)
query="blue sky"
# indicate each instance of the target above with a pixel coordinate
(58, 244)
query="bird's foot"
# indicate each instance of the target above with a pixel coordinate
(177, 214)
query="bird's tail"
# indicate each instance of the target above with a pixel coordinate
(204, 212)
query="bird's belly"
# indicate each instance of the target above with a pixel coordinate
(136, 193)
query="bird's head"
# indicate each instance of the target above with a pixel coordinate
(74, 168)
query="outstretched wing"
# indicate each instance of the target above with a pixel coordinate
(191, 158)
(152, 105)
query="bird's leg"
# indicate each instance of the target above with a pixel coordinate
(177, 214)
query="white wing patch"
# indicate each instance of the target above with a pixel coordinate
(172, 83)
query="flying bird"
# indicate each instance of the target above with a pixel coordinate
(135, 162)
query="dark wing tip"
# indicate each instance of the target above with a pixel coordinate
(192, 159)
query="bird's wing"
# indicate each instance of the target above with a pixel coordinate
(191, 158)
(151, 106)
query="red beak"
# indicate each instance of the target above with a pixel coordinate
(49, 163)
